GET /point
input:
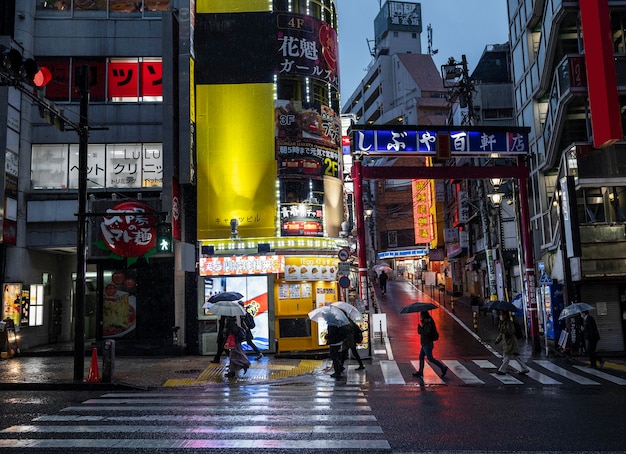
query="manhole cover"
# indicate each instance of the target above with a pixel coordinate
(188, 371)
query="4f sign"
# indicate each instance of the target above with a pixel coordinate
(343, 254)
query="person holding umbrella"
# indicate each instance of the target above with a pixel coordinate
(428, 335)
(335, 336)
(506, 330)
(592, 336)
(382, 279)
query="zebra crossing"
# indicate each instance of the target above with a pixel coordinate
(478, 372)
(239, 418)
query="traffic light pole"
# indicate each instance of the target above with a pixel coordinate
(81, 248)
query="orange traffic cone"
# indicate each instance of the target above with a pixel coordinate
(94, 374)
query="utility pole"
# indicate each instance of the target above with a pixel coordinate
(81, 248)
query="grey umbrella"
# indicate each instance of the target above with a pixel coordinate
(575, 309)
(418, 307)
(227, 308)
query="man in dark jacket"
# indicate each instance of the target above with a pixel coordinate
(592, 336)
(428, 335)
(334, 338)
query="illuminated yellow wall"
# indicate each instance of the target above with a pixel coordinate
(232, 6)
(236, 160)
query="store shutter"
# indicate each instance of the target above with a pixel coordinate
(609, 324)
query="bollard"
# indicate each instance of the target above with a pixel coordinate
(475, 319)
(452, 303)
(108, 360)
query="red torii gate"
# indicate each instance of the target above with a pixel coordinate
(445, 142)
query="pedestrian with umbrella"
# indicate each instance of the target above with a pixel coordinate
(336, 333)
(382, 279)
(225, 305)
(510, 350)
(354, 335)
(592, 336)
(427, 330)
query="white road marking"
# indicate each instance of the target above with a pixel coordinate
(462, 372)
(391, 372)
(430, 376)
(565, 373)
(601, 374)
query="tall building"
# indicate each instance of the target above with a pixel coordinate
(567, 65)
(131, 295)
(217, 121)
(268, 140)
(402, 86)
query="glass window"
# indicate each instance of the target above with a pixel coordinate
(35, 310)
(294, 327)
(108, 166)
(49, 167)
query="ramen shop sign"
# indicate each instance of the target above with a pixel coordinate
(129, 229)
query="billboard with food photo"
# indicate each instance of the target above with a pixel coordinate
(119, 311)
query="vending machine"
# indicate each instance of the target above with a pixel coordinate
(552, 307)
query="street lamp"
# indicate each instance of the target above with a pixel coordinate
(496, 198)
(495, 182)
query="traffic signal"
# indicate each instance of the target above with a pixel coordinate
(20, 69)
(164, 238)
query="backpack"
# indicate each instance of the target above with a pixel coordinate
(249, 321)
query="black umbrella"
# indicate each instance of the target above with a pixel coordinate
(499, 305)
(418, 307)
(225, 296)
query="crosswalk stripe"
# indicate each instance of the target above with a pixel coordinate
(278, 419)
(355, 377)
(391, 372)
(600, 374)
(430, 376)
(541, 378)
(462, 372)
(138, 420)
(260, 409)
(195, 444)
(233, 429)
(565, 373)
(249, 401)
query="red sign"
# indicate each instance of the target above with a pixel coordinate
(130, 229)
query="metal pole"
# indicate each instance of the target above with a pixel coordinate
(357, 177)
(81, 248)
(529, 263)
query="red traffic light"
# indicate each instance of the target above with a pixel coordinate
(42, 77)
(23, 70)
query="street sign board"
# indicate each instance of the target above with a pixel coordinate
(343, 269)
(343, 254)
(546, 279)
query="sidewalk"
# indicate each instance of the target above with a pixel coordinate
(147, 372)
(486, 330)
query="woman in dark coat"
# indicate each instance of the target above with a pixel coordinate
(428, 335)
(237, 358)
(510, 350)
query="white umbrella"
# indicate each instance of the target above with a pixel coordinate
(382, 267)
(349, 309)
(575, 309)
(329, 314)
